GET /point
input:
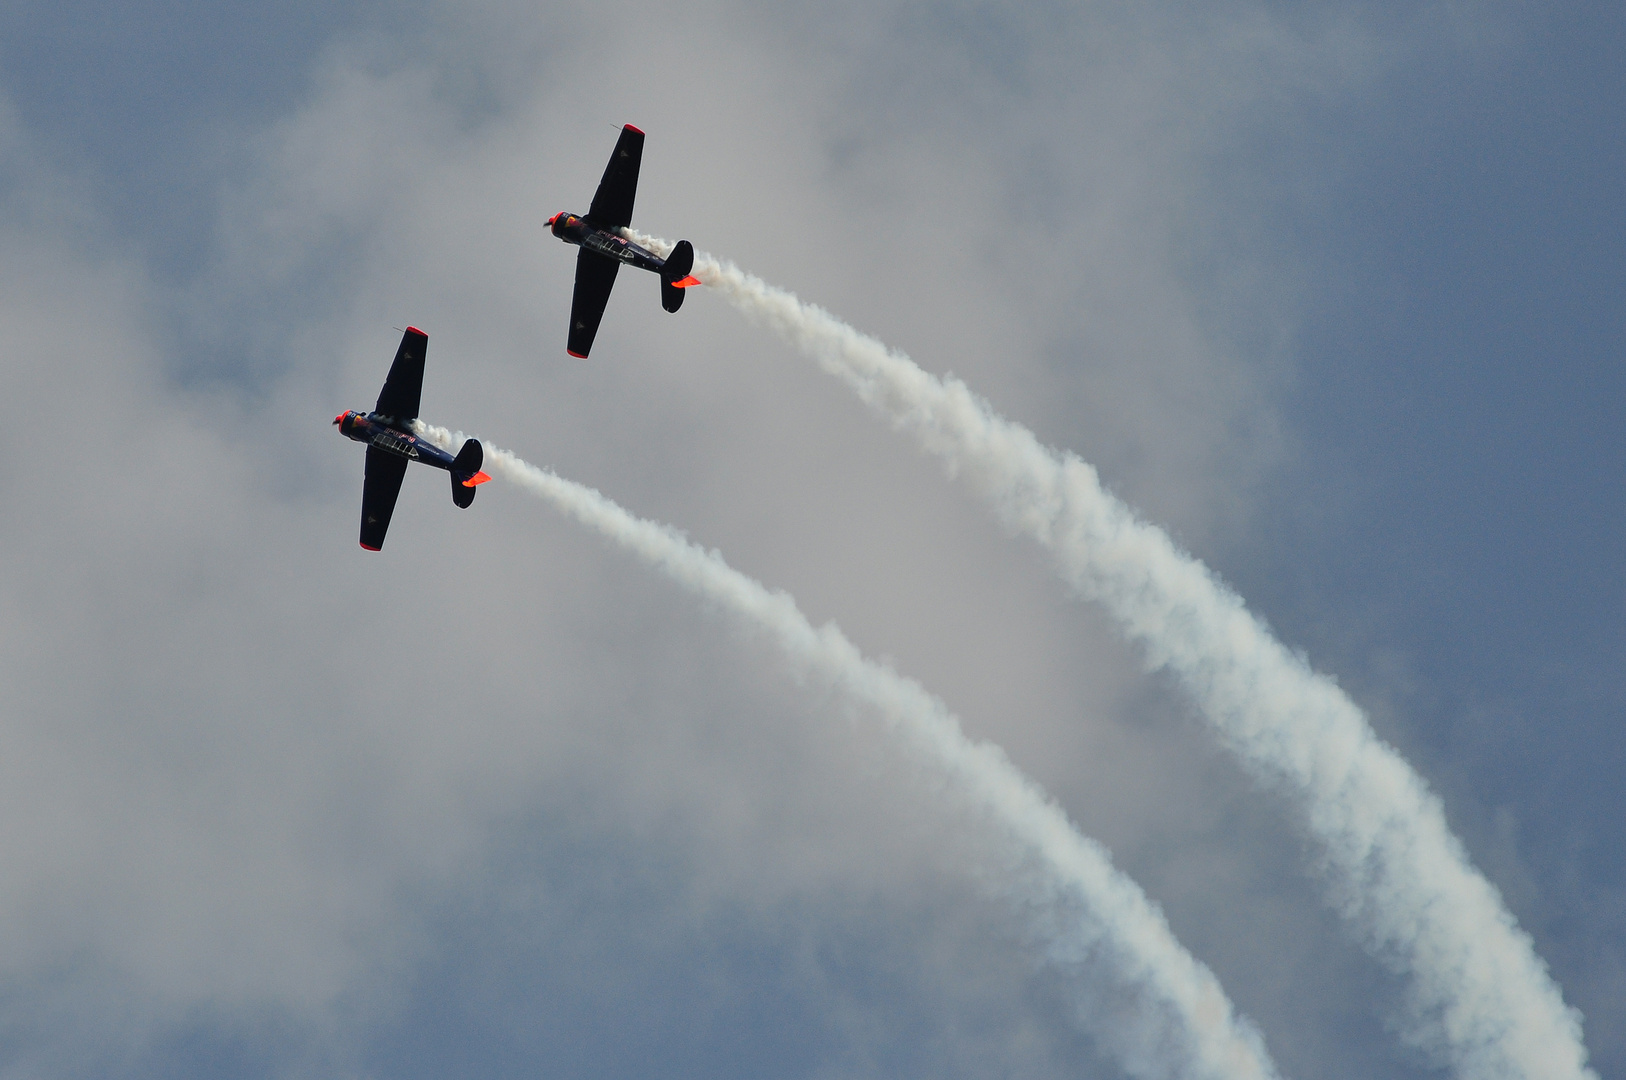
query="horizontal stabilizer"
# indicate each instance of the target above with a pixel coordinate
(466, 474)
(671, 296)
(469, 457)
(674, 272)
(687, 283)
(679, 263)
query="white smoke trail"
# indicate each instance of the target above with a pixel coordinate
(1479, 994)
(1151, 1003)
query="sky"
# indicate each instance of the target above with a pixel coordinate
(1328, 290)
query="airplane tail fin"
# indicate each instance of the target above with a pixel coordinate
(466, 474)
(675, 276)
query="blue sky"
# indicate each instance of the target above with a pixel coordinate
(1458, 378)
(1330, 290)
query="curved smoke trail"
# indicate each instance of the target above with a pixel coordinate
(1478, 992)
(1151, 1003)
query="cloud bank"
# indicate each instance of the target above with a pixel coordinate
(582, 825)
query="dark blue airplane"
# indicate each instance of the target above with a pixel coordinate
(604, 249)
(387, 431)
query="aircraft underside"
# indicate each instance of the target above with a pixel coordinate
(604, 249)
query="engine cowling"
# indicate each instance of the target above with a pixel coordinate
(351, 424)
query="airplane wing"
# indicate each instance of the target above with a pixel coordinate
(595, 276)
(399, 398)
(378, 492)
(612, 205)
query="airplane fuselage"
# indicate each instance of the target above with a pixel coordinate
(383, 433)
(606, 242)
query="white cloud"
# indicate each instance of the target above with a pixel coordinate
(251, 771)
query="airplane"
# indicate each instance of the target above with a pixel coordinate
(604, 249)
(391, 443)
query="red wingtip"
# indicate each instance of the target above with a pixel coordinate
(629, 127)
(687, 283)
(577, 355)
(369, 547)
(476, 480)
(415, 330)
